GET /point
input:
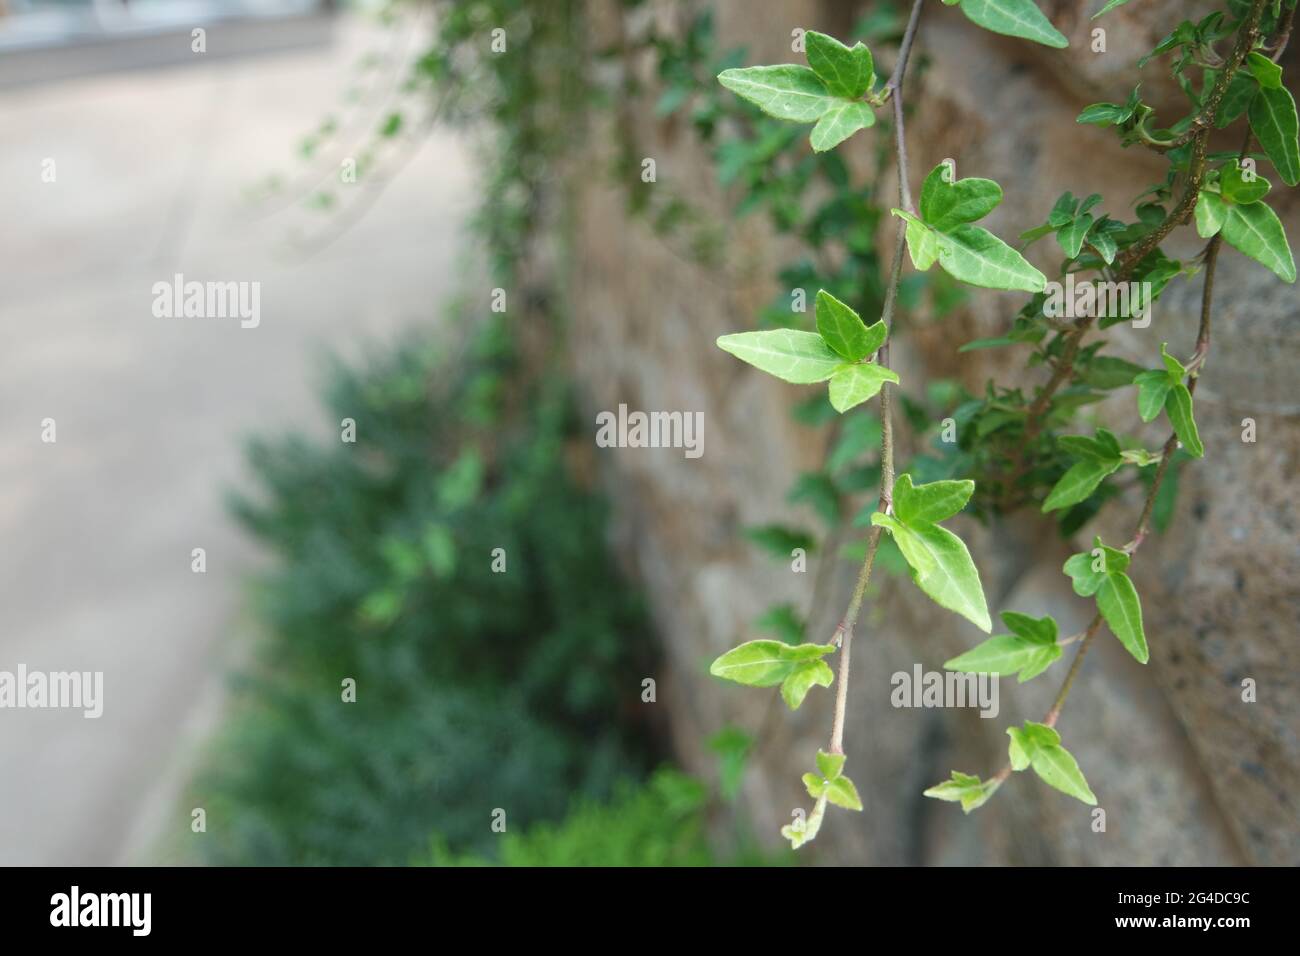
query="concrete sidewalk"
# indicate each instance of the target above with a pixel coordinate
(98, 527)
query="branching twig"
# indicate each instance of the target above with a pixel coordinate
(1128, 261)
(1171, 446)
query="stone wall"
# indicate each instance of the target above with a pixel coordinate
(1187, 772)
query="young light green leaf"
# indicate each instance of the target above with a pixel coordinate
(1273, 118)
(914, 550)
(843, 331)
(790, 354)
(843, 793)
(805, 676)
(1268, 73)
(1178, 406)
(970, 791)
(1080, 481)
(1016, 749)
(1058, 768)
(1040, 746)
(1153, 389)
(786, 91)
(1175, 368)
(1007, 654)
(806, 830)
(1140, 457)
(1017, 18)
(930, 502)
(1211, 210)
(922, 241)
(943, 570)
(830, 766)
(1255, 231)
(1117, 600)
(852, 385)
(1085, 577)
(838, 123)
(947, 204)
(976, 256)
(814, 784)
(766, 663)
(847, 72)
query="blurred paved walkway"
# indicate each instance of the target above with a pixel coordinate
(97, 529)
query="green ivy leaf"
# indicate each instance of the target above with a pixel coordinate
(1235, 187)
(804, 677)
(830, 766)
(787, 91)
(852, 385)
(1268, 73)
(1118, 602)
(1030, 649)
(814, 784)
(1088, 569)
(968, 790)
(1016, 18)
(976, 256)
(969, 253)
(1178, 406)
(1110, 5)
(1175, 368)
(940, 564)
(1071, 235)
(847, 72)
(1273, 118)
(1236, 99)
(1103, 114)
(931, 502)
(766, 663)
(1211, 210)
(779, 540)
(843, 793)
(1079, 482)
(1108, 371)
(1040, 746)
(1016, 751)
(844, 331)
(799, 835)
(947, 204)
(838, 123)
(913, 549)
(1104, 447)
(1153, 388)
(922, 244)
(801, 358)
(1255, 231)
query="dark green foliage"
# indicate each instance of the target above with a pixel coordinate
(658, 823)
(475, 690)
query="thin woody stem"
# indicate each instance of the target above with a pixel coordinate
(844, 633)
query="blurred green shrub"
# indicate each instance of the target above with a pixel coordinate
(656, 823)
(474, 689)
